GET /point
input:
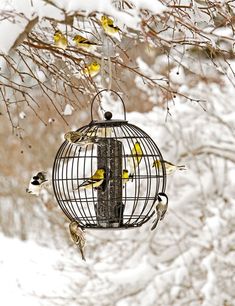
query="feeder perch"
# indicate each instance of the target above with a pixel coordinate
(117, 203)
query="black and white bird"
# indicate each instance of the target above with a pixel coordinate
(160, 209)
(38, 181)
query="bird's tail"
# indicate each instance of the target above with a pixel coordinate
(182, 167)
(82, 254)
(155, 222)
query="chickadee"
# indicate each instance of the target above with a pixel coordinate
(40, 176)
(78, 236)
(160, 209)
(39, 181)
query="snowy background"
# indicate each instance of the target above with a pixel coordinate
(190, 258)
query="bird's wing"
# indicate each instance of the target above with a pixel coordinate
(164, 212)
(74, 237)
(87, 42)
(92, 183)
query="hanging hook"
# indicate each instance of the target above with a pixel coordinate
(92, 102)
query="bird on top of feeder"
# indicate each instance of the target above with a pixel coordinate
(94, 181)
(135, 158)
(39, 181)
(109, 27)
(60, 40)
(170, 168)
(91, 70)
(160, 208)
(78, 236)
(84, 43)
(79, 138)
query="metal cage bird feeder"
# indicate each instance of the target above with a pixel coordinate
(121, 201)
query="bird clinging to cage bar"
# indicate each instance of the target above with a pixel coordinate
(78, 237)
(161, 206)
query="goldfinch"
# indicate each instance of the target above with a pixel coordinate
(84, 43)
(170, 168)
(109, 28)
(135, 158)
(125, 176)
(94, 182)
(79, 138)
(60, 40)
(160, 209)
(78, 237)
(91, 70)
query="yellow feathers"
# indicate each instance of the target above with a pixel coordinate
(60, 40)
(91, 70)
(94, 182)
(108, 26)
(84, 43)
(125, 176)
(135, 158)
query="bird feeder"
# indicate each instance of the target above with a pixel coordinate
(118, 203)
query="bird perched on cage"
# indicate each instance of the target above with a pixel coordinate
(135, 158)
(60, 40)
(91, 70)
(78, 236)
(80, 139)
(38, 182)
(109, 27)
(84, 43)
(126, 176)
(160, 208)
(94, 181)
(170, 168)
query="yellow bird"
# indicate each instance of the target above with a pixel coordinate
(60, 40)
(108, 26)
(84, 43)
(78, 236)
(135, 158)
(170, 168)
(94, 181)
(92, 69)
(125, 176)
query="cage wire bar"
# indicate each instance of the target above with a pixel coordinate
(117, 203)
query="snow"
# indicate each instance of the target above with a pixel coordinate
(30, 274)
(68, 110)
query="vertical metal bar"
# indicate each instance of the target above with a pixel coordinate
(109, 207)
